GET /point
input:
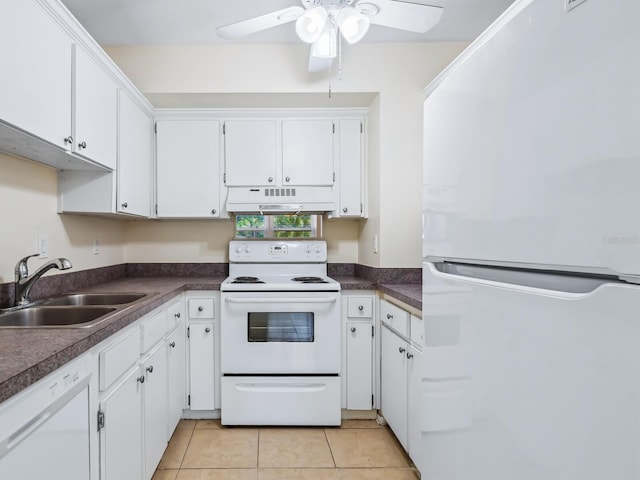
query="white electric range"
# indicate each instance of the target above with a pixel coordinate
(280, 335)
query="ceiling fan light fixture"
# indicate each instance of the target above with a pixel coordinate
(311, 25)
(353, 25)
(368, 9)
(327, 44)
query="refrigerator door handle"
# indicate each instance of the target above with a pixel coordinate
(560, 284)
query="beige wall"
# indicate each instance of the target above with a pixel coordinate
(398, 72)
(28, 202)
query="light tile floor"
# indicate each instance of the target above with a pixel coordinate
(358, 450)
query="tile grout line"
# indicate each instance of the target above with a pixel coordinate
(333, 459)
(186, 449)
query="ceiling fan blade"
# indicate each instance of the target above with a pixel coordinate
(317, 64)
(256, 24)
(412, 17)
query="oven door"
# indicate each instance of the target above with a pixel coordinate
(280, 333)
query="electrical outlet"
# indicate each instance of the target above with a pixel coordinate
(43, 245)
(96, 246)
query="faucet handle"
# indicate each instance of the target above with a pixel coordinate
(21, 270)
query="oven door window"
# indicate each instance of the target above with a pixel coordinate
(280, 327)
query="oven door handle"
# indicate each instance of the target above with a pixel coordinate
(281, 300)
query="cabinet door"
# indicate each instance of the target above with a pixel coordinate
(188, 168)
(95, 111)
(359, 371)
(350, 171)
(35, 84)
(250, 152)
(414, 379)
(394, 383)
(307, 152)
(201, 366)
(121, 436)
(176, 357)
(155, 408)
(135, 154)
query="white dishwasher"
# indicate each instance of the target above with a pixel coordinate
(44, 430)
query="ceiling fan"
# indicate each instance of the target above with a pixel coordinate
(319, 22)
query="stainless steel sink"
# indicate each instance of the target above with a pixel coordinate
(60, 317)
(95, 299)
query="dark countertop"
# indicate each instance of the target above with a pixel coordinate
(27, 355)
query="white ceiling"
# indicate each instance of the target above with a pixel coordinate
(172, 22)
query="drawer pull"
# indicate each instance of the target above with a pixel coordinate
(172, 344)
(389, 316)
(353, 329)
(402, 349)
(200, 308)
(409, 355)
(150, 369)
(140, 379)
(207, 330)
(177, 315)
(361, 307)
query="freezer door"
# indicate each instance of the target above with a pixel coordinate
(522, 382)
(532, 152)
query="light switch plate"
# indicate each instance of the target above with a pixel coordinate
(43, 245)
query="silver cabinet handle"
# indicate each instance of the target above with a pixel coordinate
(389, 316)
(172, 344)
(214, 211)
(353, 329)
(125, 205)
(200, 308)
(345, 209)
(150, 369)
(207, 330)
(270, 179)
(409, 355)
(402, 349)
(177, 315)
(140, 379)
(288, 179)
(82, 145)
(361, 307)
(68, 140)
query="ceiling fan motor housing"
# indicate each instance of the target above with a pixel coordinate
(326, 3)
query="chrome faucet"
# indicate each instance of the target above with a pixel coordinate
(24, 281)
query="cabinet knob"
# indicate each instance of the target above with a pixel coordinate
(270, 179)
(353, 329)
(389, 316)
(214, 211)
(82, 145)
(345, 210)
(361, 307)
(140, 379)
(288, 179)
(200, 308)
(68, 140)
(207, 330)
(409, 355)
(177, 315)
(172, 344)
(125, 205)
(402, 349)
(150, 369)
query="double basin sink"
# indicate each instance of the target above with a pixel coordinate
(75, 310)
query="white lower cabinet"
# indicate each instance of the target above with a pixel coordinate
(401, 343)
(358, 347)
(120, 423)
(176, 359)
(201, 366)
(155, 407)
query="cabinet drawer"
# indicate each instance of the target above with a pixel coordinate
(395, 317)
(116, 359)
(175, 312)
(360, 307)
(153, 329)
(201, 308)
(417, 330)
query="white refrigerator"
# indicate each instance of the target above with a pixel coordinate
(531, 244)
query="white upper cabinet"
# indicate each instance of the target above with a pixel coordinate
(307, 152)
(35, 84)
(188, 168)
(135, 157)
(95, 111)
(251, 152)
(351, 168)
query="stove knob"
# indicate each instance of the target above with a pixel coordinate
(307, 249)
(238, 249)
(247, 249)
(317, 249)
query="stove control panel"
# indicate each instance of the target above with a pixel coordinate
(276, 251)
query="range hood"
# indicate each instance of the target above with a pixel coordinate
(281, 199)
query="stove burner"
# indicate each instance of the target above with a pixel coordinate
(309, 280)
(247, 280)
